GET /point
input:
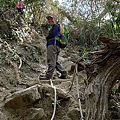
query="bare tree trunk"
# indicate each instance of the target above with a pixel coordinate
(102, 75)
(97, 100)
(102, 80)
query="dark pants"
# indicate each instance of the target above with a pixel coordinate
(52, 60)
(20, 10)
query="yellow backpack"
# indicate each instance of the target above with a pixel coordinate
(63, 39)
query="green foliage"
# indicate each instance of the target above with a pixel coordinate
(56, 4)
(13, 82)
(115, 88)
(84, 50)
(4, 4)
(108, 113)
(109, 31)
(15, 57)
(84, 18)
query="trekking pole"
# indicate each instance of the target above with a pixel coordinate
(82, 118)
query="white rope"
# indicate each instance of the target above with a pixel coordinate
(14, 53)
(82, 118)
(54, 99)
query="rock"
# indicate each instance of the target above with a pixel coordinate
(2, 116)
(61, 93)
(66, 63)
(23, 97)
(35, 114)
(74, 114)
(65, 85)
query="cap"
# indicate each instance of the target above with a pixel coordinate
(50, 15)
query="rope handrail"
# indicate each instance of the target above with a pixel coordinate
(54, 99)
(82, 118)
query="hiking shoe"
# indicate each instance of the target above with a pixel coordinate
(44, 78)
(62, 77)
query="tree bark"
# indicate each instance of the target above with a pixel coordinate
(98, 90)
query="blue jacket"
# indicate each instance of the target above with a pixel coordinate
(54, 32)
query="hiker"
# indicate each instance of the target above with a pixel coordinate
(53, 50)
(19, 6)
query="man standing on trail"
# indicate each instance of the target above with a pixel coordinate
(53, 50)
(19, 6)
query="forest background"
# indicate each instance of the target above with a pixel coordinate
(86, 20)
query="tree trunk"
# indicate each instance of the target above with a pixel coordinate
(97, 100)
(102, 80)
